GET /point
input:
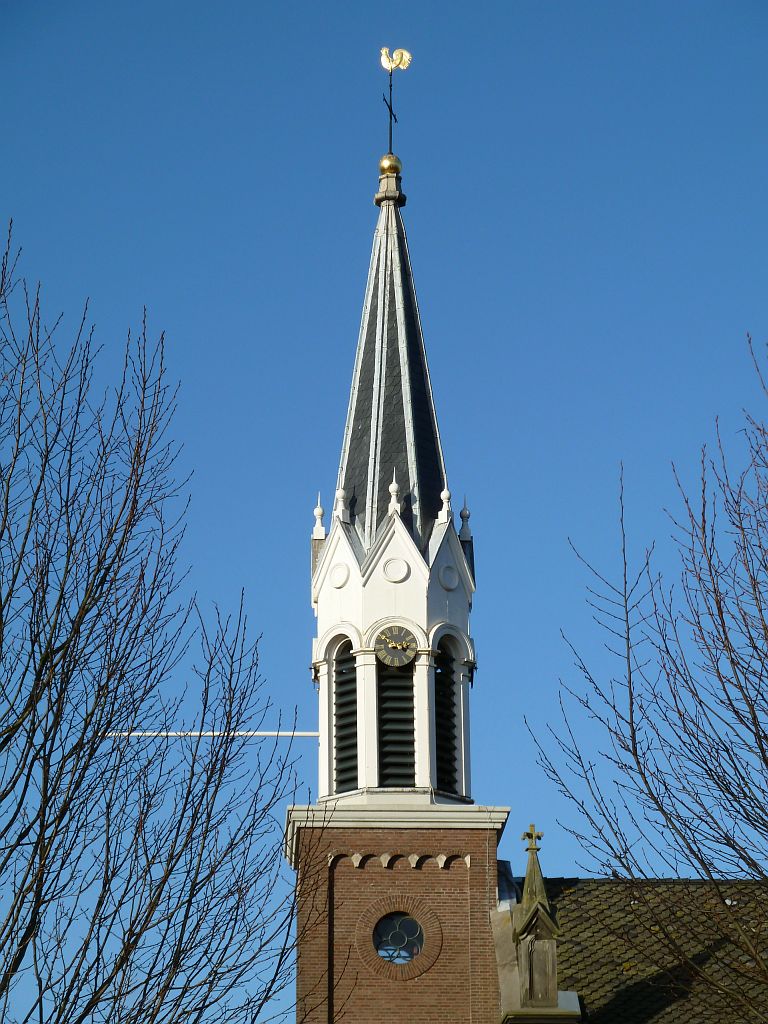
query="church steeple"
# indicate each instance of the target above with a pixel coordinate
(394, 844)
(391, 428)
(392, 581)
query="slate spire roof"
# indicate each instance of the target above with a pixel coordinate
(391, 431)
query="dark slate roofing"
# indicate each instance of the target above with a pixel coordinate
(634, 954)
(391, 424)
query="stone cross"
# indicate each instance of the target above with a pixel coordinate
(532, 835)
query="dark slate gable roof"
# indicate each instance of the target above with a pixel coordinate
(391, 424)
(612, 952)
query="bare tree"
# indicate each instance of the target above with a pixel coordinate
(140, 879)
(680, 787)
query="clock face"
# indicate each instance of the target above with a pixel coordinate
(395, 645)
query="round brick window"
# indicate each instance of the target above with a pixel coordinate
(398, 937)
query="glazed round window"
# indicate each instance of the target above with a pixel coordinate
(398, 938)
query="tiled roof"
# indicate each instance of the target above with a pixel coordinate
(636, 953)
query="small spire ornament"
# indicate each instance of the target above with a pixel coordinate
(399, 59)
(534, 889)
(318, 533)
(465, 533)
(533, 837)
(445, 515)
(340, 510)
(394, 491)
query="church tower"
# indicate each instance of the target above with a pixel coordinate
(396, 865)
(392, 583)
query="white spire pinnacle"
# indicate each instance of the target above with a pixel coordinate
(394, 491)
(340, 510)
(465, 533)
(445, 515)
(318, 533)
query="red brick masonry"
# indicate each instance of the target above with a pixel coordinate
(349, 878)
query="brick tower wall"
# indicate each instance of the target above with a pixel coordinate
(349, 879)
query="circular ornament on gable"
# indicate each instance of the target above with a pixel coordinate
(449, 577)
(339, 575)
(398, 953)
(396, 570)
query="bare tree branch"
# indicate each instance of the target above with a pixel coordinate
(680, 785)
(140, 881)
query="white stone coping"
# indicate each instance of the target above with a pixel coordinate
(567, 1009)
(389, 814)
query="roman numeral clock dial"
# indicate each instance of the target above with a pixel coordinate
(395, 646)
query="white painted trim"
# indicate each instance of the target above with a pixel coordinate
(432, 722)
(337, 539)
(358, 357)
(401, 620)
(423, 720)
(405, 382)
(339, 630)
(389, 814)
(325, 720)
(463, 735)
(451, 538)
(445, 629)
(367, 720)
(391, 526)
(377, 403)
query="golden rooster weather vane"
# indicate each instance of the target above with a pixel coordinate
(399, 59)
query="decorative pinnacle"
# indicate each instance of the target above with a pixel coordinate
(465, 533)
(399, 59)
(340, 509)
(534, 889)
(390, 164)
(394, 490)
(445, 514)
(318, 533)
(532, 835)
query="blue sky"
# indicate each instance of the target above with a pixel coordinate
(587, 223)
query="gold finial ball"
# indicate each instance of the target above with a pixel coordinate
(390, 164)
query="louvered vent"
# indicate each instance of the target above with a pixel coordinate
(345, 719)
(396, 731)
(445, 721)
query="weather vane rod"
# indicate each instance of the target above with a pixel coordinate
(399, 59)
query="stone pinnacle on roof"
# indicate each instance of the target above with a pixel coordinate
(391, 428)
(534, 891)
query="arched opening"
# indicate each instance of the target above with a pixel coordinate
(394, 692)
(345, 719)
(445, 719)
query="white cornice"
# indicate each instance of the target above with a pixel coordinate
(388, 814)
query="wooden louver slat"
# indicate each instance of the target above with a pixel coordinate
(396, 726)
(445, 721)
(345, 719)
